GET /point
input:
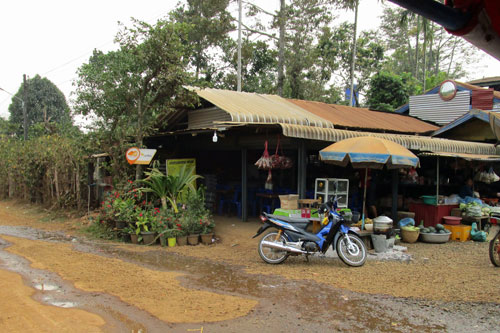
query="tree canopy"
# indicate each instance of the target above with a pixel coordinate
(129, 88)
(45, 104)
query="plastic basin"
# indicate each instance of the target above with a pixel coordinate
(435, 237)
(429, 199)
(453, 220)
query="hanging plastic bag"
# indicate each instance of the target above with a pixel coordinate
(269, 181)
(265, 161)
(492, 176)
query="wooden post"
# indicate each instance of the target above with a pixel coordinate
(301, 169)
(244, 189)
(395, 180)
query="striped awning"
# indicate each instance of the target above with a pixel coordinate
(412, 142)
(468, 157)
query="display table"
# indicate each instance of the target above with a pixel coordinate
(430, 214)
(480, 220)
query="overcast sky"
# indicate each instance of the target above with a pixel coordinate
(54, 37)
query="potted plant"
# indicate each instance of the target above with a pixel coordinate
(142, 227)
(171, 235)
(207, 230)
(127, 233)
(182, 227)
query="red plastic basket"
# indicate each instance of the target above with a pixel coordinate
(453, 220)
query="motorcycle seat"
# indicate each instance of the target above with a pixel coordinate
(297, 222)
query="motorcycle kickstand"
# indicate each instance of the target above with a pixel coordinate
(307, 257)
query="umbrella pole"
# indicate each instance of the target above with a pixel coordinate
(437, 181)
(364, 200)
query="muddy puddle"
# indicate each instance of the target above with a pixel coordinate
(284, 305)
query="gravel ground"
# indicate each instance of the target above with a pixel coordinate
(444, 287)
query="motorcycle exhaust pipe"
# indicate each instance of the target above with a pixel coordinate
(279, 246)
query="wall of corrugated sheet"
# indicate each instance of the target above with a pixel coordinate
(482, 99)
(205, 118)
(433, 108)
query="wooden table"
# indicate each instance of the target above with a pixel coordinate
(478, 219)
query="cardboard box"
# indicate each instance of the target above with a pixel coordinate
(289, 201)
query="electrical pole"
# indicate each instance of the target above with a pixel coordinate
(353, 61)
(25, 111)
(239, 46)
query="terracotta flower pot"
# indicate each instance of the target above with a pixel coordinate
(148, 237)
(193, 239)
(181, 240)
(134, 238)
(206, 239)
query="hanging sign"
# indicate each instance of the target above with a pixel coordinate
(135, 155)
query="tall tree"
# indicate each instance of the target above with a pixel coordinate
(129, 88)
(388, 91)
(440, 51)
(209, 26)
(45, 104)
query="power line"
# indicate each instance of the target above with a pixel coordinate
(86, 53)
(75, 59)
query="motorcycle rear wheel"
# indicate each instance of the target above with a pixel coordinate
(495, 250)
(355, 255)
(270, 255)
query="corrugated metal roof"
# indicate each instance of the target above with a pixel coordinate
(409, 141)
(260, 108)
(433, 108)
(485, 81)
(352, 117)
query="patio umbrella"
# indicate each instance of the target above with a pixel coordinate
(368, 152)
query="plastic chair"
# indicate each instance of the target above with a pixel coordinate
(236, 201)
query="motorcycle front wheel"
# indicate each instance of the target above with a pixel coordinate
(352, 253)
(495, 250)
(271, 255)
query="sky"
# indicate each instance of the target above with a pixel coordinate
(53, 38)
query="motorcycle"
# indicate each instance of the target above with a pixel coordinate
(494, 239)
(291, 238)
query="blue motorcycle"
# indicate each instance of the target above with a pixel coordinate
(291, 238)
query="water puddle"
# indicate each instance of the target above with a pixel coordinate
(45, 287)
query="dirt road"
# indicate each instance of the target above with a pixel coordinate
(60, 281)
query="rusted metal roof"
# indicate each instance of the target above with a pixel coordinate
(413, 142)
(260, 108)
(362, 118)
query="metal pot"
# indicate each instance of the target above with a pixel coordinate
(382, 224)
